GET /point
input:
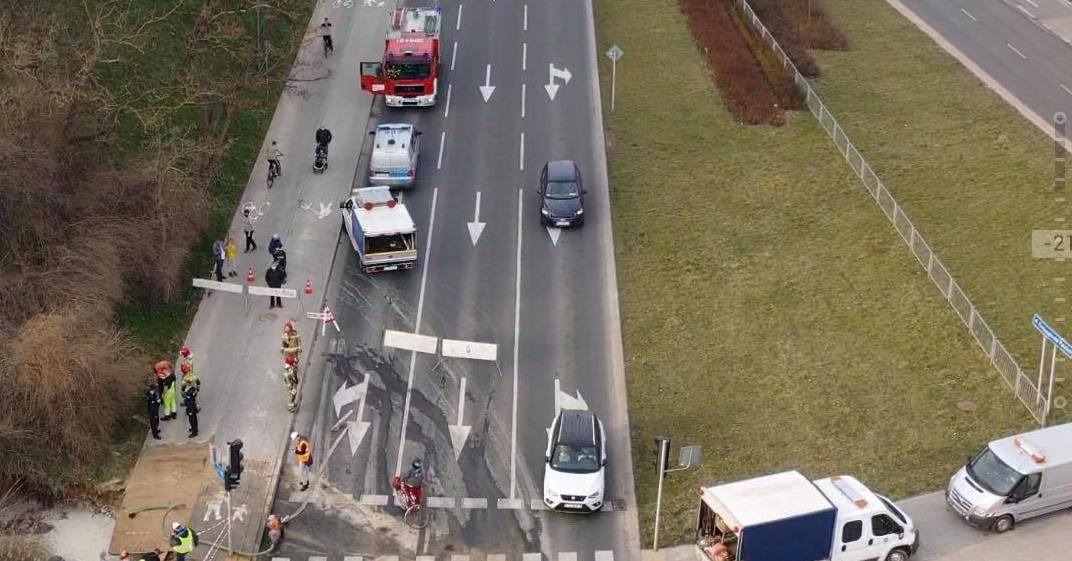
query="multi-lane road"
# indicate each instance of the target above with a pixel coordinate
(1018, 47)
(545, 298)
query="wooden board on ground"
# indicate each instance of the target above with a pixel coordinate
(166, 475)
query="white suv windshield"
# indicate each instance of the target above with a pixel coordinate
(575, 459)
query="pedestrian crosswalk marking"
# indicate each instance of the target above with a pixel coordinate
(496, 557)
(440, 502)
(387, 558)
(318, 559)
(567, 556)
(374, 500)
(537, 504)
(510, 504)
(459, 558)
(604, 556)
(426, 558)
(281, 559)
(470, 502)
(531, 557)
(353, 558)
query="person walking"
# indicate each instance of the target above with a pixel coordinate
(230, 248)
(219, 254)
(183, 540)
(325, 32)
(303, 451)
(189, 401)
(166, 384)
(275, 157)
(276, 528)
(152, 405)
(249, 216)
(291, 342)
(274, 277)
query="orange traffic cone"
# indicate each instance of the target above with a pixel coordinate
(249, 275)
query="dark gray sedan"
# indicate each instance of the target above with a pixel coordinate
(562, 194)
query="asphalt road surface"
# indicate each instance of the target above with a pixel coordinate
(1015, 44)
(545, 298)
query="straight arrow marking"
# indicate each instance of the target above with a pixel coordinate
(459, 433)
(476, 227)
(554, 233)
(356, 430)
(487, 89)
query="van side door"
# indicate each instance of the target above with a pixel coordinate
(1026, 500)
(853, 541)
(886, 532)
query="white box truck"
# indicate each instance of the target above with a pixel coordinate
(785, 517)
(1015, 478)
(380, 230)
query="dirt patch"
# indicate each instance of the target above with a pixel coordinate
(800, 25)
(739, 74)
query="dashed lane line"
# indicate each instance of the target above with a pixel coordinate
(474, 502)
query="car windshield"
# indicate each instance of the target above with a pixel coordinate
(407, 70)
(989, 471)
(562, 190)
(575, 459)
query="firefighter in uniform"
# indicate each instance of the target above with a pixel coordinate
(290, 377)
(291, 342)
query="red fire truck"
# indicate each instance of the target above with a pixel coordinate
(409, 72)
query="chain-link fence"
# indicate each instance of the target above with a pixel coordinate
(1005, 364)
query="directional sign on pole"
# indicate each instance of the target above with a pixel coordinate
(615, 53)
(552, 73)
(1049, 333)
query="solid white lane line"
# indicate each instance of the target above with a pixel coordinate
(524, 56)
(521, 154)
(1015, 50)
(447, 110)
(968, 14)
(1065, 88)
(417, 329)
(517, 341)
(525, 21)
(1033, 4)
(1024, 10)
(442, 142)
(459, 26)
(454, 55)
(522, 100)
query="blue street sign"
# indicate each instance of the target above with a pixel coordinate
(1049, 333)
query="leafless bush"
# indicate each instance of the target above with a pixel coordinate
(22, 548)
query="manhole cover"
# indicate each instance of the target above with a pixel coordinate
(967, 405)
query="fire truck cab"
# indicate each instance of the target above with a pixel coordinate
(408, 75)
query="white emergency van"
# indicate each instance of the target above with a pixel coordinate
(1015, 478)
(395, 150)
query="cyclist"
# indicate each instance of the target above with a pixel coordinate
(274, 155)
(325, 32)
(413, 483)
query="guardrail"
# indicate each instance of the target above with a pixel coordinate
(1014, 376)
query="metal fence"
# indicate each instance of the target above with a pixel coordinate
(1005, 364)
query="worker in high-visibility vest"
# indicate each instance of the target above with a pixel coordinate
(165, 379)
(303, 451)
(183, 541)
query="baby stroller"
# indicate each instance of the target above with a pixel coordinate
(320, 159)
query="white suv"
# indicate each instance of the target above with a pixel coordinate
(576, 462)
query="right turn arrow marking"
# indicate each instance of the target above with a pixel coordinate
(552, 73)
(487, 89)
(476, 227)
(459, 433)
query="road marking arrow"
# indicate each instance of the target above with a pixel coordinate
(346, 395)
(487, 89)
(554, 233)
(552, 73)
(564, 400)
(476, 227)
(356, 430)
(459, 433)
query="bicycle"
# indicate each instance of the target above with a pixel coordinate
(413, 511)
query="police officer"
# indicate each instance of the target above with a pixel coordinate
(189, 401)
(152, 403)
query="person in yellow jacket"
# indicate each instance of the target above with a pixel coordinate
(183, 540)
(165, 378)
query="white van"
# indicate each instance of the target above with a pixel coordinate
(395, 149)
(1015, 478)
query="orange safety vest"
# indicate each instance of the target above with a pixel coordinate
(304, 451)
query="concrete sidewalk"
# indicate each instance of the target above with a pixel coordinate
(237, 350)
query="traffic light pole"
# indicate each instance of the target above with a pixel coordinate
(230, 549)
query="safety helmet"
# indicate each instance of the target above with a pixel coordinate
(294, 435)
(289, 325)
(185, 351)
(275, 236)
(175, 526)
(185, 368)
(417, 463)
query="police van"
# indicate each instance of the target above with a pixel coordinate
(395, 150)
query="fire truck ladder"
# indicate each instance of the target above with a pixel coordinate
(416, 21)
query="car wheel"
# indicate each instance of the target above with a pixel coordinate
(1003, 524)
(897, 555)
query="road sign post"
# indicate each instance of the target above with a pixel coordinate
(688, 456)
(614, 53)
(1059, 344)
